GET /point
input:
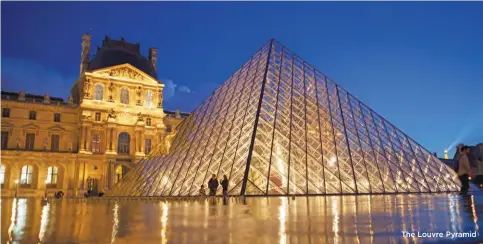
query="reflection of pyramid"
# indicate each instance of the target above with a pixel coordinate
(277, 126)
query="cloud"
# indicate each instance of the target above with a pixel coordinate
(171, 89)
(34, 78)
(184, 89)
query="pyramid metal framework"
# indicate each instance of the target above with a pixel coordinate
(278, 126)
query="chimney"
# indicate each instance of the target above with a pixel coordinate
(86, 50)
(153, 57)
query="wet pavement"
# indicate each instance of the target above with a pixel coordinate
(329, 219)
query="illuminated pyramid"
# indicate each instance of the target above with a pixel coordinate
(278, 126)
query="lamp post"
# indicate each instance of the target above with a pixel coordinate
(16, 188)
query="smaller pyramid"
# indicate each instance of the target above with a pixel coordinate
(278, 126)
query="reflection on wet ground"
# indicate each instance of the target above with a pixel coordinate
(330, 219)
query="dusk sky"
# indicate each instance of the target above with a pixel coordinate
(418, 64)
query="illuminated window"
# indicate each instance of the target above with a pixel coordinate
(30, 141)
(54, 143)
(26, 176)
(124, 96)
(98, 116)
(2, 174)
(147, 146)
(98, 92)
(148, 99)
(123, 143)
(96, 144)
(52, 175)
(148, 121)
(119, 173)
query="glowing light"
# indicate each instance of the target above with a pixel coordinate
(164, 222)
(44, 221)
(335, 221)
(115, 223)
(13, 218)
(282, 216)
(332, 161)
(16, 181)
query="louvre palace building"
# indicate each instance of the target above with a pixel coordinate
(113, 118)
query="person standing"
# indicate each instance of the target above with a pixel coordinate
(213, 185)
(224, 185)
(464, 169)
(202, 191)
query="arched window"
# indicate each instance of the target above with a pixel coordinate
(148, 99)
(2, 175)
(124, 96)
(98, 92)
(52, 174)
(123, 143)
(26, 176)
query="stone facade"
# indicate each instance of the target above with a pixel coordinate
(88, 143)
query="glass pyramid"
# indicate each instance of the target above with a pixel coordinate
(278, 126)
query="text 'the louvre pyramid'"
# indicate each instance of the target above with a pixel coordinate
(278, 126)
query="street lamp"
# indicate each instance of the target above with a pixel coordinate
(16, 188)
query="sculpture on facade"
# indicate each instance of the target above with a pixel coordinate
(19, 142)
(160, 101)
(46, 143)
(111, 114)
(21, 96)
(46, 98)
(140, 117)
(87, 87)
(139, 92)
(70, 100)
(111, 92)
(168, 139)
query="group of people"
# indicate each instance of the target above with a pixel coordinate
(213, 185)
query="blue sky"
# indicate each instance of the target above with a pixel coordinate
(418, 64)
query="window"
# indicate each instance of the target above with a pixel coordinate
(54, 143)
(4, 139)
(26, 176)
(52, 174)
(2, 175)
(123, 143)
(96, 144)
(30, 141)
(148, 99)
(168, 128)
(98, 116)
(124, 96)
(98, 92)
(148, 121)
(33, 115)
(56, 117)
(147, 146)
(5, 112)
